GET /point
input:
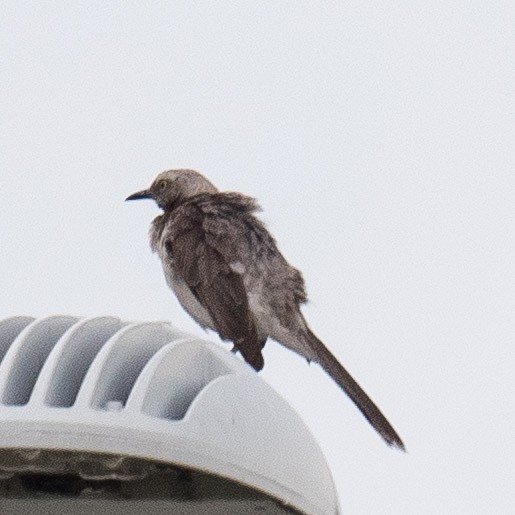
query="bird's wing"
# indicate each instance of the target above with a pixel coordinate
(213, 282)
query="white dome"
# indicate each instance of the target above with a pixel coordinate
(147, 390)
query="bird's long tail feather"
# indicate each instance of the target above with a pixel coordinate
(347, 383)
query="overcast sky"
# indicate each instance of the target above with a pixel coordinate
(379, 139)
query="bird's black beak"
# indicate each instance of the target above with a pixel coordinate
(140, 194)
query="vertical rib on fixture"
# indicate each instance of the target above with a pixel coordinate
(26, 355)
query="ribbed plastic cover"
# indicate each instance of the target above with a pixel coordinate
(147, 390)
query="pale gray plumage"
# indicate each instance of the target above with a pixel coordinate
(228, 274)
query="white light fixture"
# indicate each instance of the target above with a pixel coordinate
(96, 411)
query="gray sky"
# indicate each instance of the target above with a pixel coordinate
(379, 139)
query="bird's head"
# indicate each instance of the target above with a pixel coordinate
(175, 186)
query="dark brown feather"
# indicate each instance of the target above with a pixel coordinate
(216, 286)
(358, 396)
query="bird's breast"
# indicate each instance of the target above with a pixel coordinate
(186, 297)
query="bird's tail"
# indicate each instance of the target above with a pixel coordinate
(347, 383)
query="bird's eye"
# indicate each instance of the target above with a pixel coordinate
(161, 185)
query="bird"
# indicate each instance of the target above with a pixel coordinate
(228, 274)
